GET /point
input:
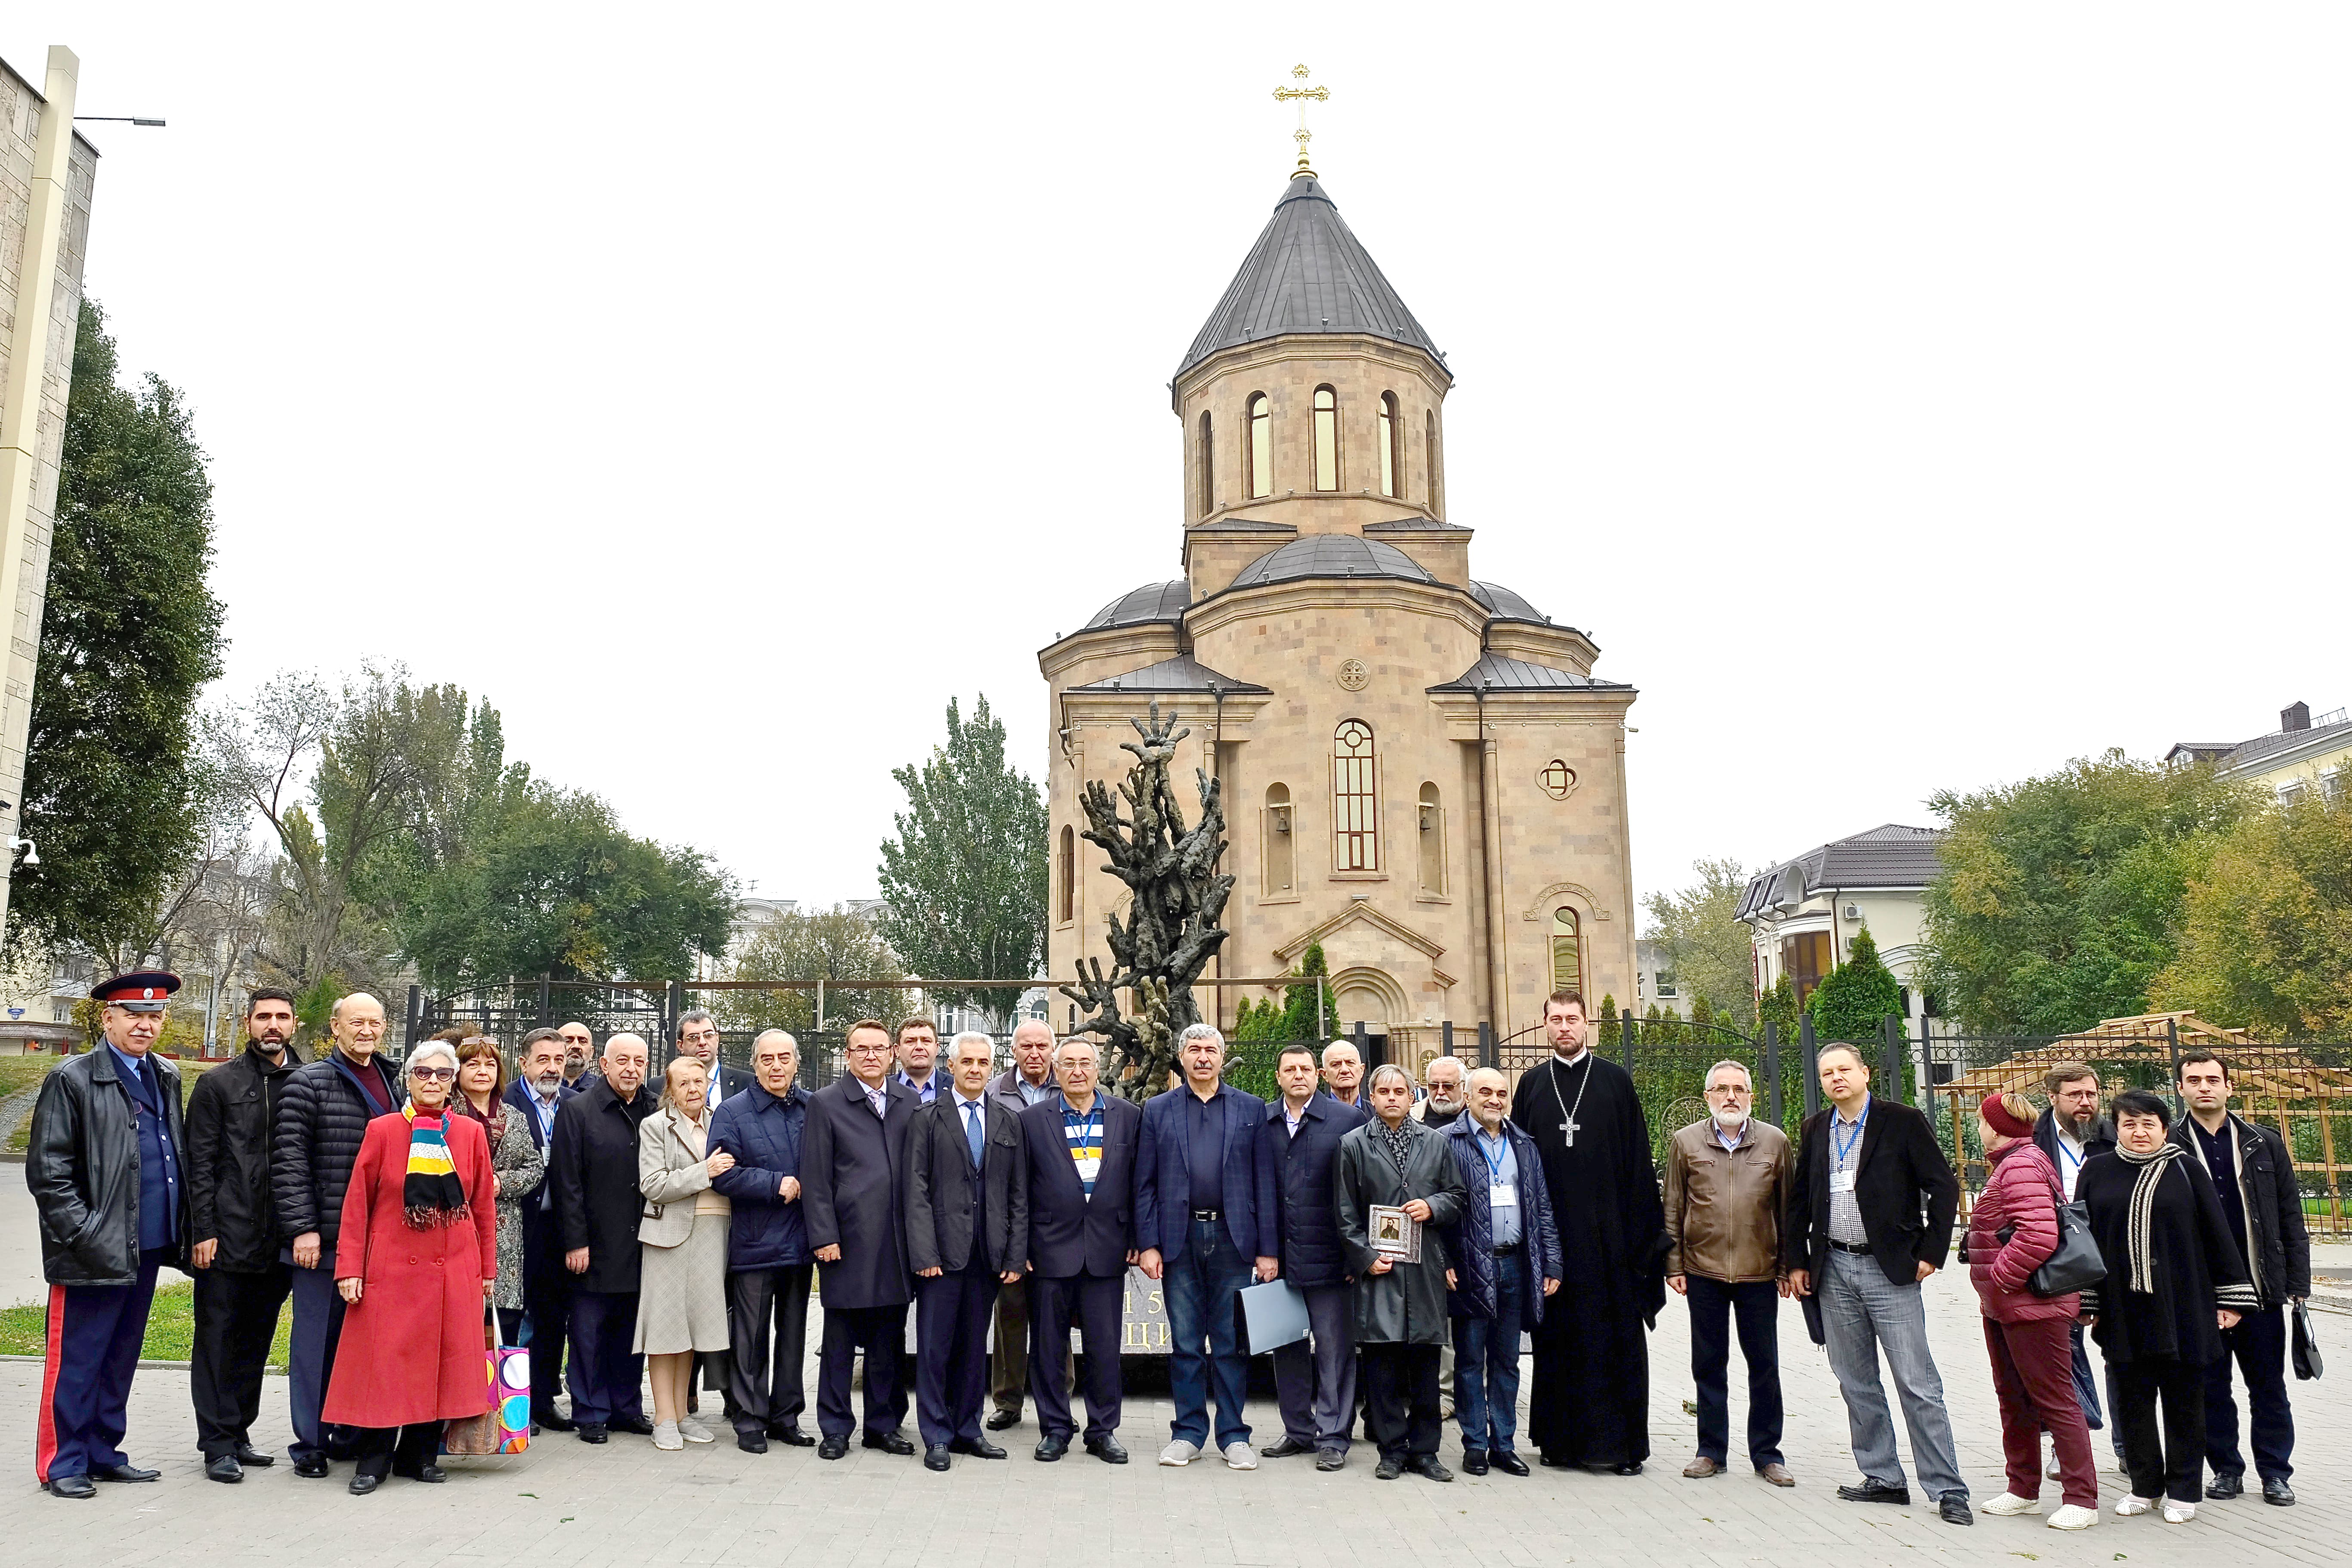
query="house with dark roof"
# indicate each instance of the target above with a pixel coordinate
(1803, 914)
(2304, 754)
(1421, 770)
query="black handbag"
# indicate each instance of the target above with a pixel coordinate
(2307, 1364)
(2076, 1264)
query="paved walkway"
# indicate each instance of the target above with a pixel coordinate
(565, 1503)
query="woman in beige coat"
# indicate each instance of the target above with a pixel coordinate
(682, 1300)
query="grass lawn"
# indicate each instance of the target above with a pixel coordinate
(171, 1327)
(27, 1072)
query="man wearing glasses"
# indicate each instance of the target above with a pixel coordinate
(1726, 1184)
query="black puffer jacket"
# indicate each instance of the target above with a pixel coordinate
(82, 1163)
(322, 1115)
(231, 1114)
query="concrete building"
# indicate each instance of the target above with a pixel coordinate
(1655, 983)
(1420, 770)
(2303, 753)
(46, 172)
(1804, 913)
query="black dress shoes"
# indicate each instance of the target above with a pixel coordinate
(223, 1468)
(252, 1459)
(1050, 1449)
(1331, 1459)
(1106, 1449)
(123, 1473)
(1871, 1492)
(791, 1437)
(892, 1442)
(2222, 1488)
(1429, 1466)
(590, 1432)
(1473, 1461)
(999, 1420)
(364, 1483)
(751, 1440)
(71, 1486)
(1390, 1470)
(1508, 1462)
(1632, 1468)
(978, 1447)
(2277, 1493)
(551, 1422)
(1288, 1447)
(833, 1449)
(312, 1467)
(636, 1424)
(1955, 1510)
(431, 1475)
(935, 1458)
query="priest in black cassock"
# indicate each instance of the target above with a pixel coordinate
(1588, 1402)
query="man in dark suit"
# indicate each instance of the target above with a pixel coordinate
(698, 1036)
(1206, 1211)
(595, 1170)
(967, 1233)
(1867, 1172)
(1080, 1148)
(536, 1093)
(1027, 1082)
(1315, 1386)
(852, 1182)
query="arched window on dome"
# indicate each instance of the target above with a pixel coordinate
(1280, 860)
(1392, 454)
(1431, 823)
(1206, 457)
(1429, 455)
(1259, 480)
(1567, 952)
(1066, 872)
(1355, 799)
(1327, 438)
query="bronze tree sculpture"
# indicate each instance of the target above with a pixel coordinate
(1171, 928)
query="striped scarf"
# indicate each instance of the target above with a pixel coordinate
(2138, 1240)
(430, 1195)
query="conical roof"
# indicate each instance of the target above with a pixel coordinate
(1308, 273)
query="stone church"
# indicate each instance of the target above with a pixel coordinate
(1420, 770)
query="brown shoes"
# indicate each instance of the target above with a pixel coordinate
(1701, 1467)
(1777, 1475)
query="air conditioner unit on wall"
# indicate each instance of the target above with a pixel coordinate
(1854, 912)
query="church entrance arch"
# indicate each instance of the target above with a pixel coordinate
(1370, 997)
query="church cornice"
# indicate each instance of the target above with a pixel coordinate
(1358, 914)
(1325, 347)
(1443, 600)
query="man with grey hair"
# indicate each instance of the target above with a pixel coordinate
(1343, 1075)
(770, 1266)
(1204, 1209)
(592, 1160)
(1028, 1081)
(1444, 1079)
(1726, 1184)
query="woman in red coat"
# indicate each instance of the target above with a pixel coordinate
(415, 1260)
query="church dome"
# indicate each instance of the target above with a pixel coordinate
(1139, 606)
(1308, 273)
(1505, 605)
(1331, 555)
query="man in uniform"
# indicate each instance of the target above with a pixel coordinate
(106, 1179)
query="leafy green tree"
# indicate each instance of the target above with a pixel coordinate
(2266, 926)
(964, 882)
(1710, 951)
(1854, 998)
(829, 944)
(2058, 897)
(116, 787)
(1295, 1018)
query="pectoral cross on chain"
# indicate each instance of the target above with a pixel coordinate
(1569, 1128)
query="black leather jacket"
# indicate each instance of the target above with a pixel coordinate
(82, 1164)
(231, 1114)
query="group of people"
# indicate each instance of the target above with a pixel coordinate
(676, 1230)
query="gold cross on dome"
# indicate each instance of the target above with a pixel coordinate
(1302, 135)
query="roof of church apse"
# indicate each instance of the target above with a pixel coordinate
(1308, 273)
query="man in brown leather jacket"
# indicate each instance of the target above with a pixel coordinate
(1727, 1182)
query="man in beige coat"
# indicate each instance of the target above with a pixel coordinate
(1726, 1184)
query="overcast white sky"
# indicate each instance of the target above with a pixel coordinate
(1904, 397)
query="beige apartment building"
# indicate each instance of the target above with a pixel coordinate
(1420, 770)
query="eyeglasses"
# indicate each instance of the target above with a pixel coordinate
(1731, 1088)
(432, 1075)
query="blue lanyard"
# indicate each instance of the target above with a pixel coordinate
(2073, 1160)
(1845, 1145)
(1494, 1161)
(1090, 1130)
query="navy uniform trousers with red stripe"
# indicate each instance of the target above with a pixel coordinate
(95, 1333)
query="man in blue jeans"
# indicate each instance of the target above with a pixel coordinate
(1507, 1257)
(1205, 1207)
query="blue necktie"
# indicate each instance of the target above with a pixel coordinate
(971, 1132)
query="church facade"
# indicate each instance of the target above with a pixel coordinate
(1420, 770)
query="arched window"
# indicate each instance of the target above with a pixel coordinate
(1429, 455)
(1567, 952)
(1392, 455)
(1355, 800)
(1326, 439)
(1432, 824)
(1207, 459)
(1260, 478)
(1280, 860)
(1065, 870)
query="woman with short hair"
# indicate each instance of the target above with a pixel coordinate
(415, 1261)
(682, 1296)
(2175, 1280)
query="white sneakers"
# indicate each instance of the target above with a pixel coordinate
(1240, 1456)
(2178, 1512)
(2074, 1516)
(694, 1431)
(1179, 1453)
(2132, 1506)
(667, 1438)
(2009, 1503)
